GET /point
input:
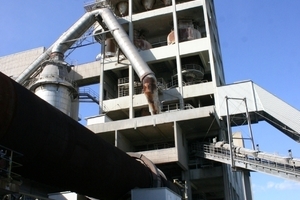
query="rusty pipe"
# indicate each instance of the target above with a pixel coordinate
(150, 90)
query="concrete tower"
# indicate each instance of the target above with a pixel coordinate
(168, 51)
(180, 44)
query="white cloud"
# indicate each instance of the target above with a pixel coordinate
(258, 188)
(285, 185)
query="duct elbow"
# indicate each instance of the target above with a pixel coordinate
(61, 46)
(151, 92)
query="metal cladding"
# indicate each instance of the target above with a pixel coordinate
(60, 152)
(53, 84)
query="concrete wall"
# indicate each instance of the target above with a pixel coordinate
(180, 144)
(122, 142)
(13, 65)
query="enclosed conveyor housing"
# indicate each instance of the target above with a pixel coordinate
(261, 104)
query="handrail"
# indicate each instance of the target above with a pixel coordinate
(286, 167)
(8, 163)
(88, 93)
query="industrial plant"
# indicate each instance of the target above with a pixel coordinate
(164, 126)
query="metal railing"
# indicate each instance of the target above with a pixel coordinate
(174, 83)
(175, 107)
(8, 164)
(86, 94)
(124, 80)
(278, 167)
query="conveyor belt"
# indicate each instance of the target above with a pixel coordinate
(281, 166)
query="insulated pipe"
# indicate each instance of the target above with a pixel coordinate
(61, 45)
(79, 28)
(141, 68)
(33, 66)
(121, 37)
(73, 33)
(60, 152)
(243, 151)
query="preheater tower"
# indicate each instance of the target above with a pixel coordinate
(179, 42)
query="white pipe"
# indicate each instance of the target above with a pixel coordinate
(178, 59)
(78, 29)
(61, 45)
(141, 68)
(121, 37)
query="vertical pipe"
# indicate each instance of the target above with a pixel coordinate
(178, 61)
(131, 91)
(229, 134)
(130, 20)
(131, 72)
(101, 81)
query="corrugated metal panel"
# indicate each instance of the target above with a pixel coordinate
(285, 117)
(238, 90)
(259, 102)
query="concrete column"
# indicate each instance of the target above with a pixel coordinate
(226, 182)
(188, 186)
(131, 71)
(178, 61)
(101, 80)
(246, 185)
(131, 91)
(75, 108)
(122, 142)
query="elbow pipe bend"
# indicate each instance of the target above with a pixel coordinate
(150, 90)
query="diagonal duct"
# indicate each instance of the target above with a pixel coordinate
(121, 37)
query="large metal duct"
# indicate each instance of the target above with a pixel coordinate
(79, 28)
(145, 74)
(65, 41)
(60, 152)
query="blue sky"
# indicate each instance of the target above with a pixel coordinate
(259, 41)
